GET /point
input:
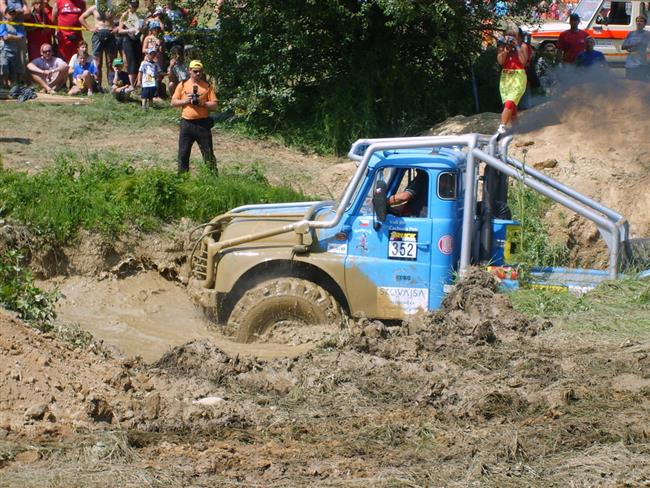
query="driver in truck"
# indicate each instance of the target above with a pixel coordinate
(412, 202)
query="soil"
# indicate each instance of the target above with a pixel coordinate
(475, 394)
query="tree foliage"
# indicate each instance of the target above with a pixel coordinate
(325, 72)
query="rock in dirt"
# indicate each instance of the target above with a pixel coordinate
(36, 412)
(99, 410)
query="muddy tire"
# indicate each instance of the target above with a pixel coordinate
(282, 302)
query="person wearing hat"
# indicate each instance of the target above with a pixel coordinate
(121, 88)
(636, 44)
(15, 41)
(197, 98)
(572, 42)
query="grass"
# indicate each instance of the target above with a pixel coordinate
(536, 249)
(106, 194)
(18, 293)
(620, 307)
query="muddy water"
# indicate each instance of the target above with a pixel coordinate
(145, 315)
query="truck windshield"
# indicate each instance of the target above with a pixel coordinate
(587, 8)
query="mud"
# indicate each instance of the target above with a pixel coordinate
(475, 394)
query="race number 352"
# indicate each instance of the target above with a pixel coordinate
(403, 245)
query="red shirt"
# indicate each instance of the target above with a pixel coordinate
(69, 12)
(36, 36)
(572, 44)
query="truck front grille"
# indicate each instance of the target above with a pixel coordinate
(200, 262)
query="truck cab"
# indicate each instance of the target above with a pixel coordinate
(409, 254)
(608, 22)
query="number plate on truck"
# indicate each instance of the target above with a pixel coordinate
(403, 245)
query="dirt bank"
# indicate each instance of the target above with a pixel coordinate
(473, 395)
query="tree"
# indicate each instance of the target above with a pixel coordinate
(327, 72)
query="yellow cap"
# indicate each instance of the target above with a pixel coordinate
(196, 64)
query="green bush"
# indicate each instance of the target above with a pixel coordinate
(107, 196)
(18, 293)
(537, 249)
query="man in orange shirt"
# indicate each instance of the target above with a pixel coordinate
(196, 97)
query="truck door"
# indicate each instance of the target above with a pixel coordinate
(610, 27)
(387, 267)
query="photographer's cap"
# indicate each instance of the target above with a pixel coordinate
(118, 62)
(151, 50)
(196, 64)
(154, 24)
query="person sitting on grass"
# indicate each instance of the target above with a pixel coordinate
(121, 88)
(48, 71)
(83, 77)
(148, 78)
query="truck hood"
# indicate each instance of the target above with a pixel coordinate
(262, 218)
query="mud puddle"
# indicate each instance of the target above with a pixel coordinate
(146, 315)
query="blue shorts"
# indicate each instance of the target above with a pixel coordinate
(148, 92)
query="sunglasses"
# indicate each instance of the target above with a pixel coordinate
(196, 71)
(46, 52)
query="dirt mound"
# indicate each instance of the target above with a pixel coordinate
(473, 313)
(202, 359)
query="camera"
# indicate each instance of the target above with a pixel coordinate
(194, 100)
(510, 41)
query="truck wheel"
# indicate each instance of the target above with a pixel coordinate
(282, 302)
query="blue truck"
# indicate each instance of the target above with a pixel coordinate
(418, 212)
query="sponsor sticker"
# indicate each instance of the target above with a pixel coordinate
(403, 245)
(408, 300)
(364, 223)
(446, 244)
(337, 247)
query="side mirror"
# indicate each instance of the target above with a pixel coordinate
(379, 200)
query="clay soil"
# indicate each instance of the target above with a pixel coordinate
(473, 395)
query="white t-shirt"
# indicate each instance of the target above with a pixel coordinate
(149, 74)
(638, 40)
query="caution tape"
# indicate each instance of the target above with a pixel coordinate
(43, 26)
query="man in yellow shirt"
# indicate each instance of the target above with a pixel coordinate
(196, 97)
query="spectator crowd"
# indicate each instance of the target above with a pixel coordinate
(128, 50)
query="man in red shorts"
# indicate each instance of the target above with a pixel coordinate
(66, 13)
(573, 41)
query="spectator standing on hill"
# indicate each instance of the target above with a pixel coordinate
(572, 42)
(148, 78)
(131, 26)
(104, 42)
(13, 38)
(636, 44)
(176, 22)
(41, 13)
(590, 57)
(84, 76)
(19, 7)
(513, 57)
(47, 70)
(197, 98)
(66, 13)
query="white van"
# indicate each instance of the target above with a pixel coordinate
(606, 21)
